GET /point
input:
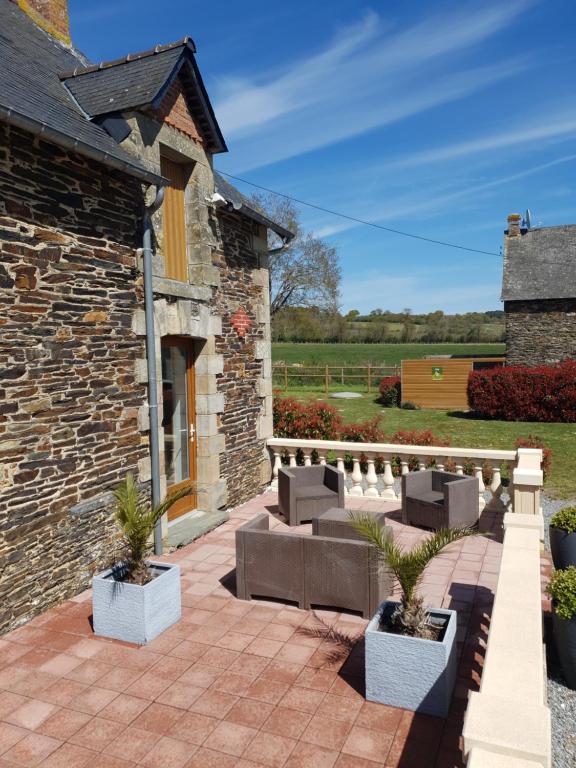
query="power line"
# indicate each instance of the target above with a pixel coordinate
(359, 221)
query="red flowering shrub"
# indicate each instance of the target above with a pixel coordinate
(516, 393)
(308, 422)
(369, 431)
(390, 391)
(533, 441)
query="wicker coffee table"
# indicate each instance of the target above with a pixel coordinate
(335, 523)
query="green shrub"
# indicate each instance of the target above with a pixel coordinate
(565, 519)
(562, 590)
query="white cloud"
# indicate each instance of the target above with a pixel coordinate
(368, 76)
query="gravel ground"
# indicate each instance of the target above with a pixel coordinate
(561, 699)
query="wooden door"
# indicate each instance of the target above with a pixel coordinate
(174, 242)
(178, 420)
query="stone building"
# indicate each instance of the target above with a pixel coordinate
(539, 293)
(83, 150)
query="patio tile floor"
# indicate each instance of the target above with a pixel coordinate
(234, 683)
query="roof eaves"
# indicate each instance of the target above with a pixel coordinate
(38, 128)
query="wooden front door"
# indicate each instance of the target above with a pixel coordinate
(178, 420)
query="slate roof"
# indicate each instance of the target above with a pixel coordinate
(32, 96)
(141, 80)
(540, 264)
(242, 204)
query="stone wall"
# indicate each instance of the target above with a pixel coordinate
(540, 331)
(241, 260)
(68, 395)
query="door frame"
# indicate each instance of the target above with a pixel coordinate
(187, 503)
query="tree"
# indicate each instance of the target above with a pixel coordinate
(305, 273)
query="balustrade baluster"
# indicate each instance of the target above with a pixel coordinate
(422, 461)
(322, 460)
(404, 465)
(388, 478)
(292, 459)
(459, 469)
(481, 487)
(341, 468)
(307, 460)
(495, 504)
(440, 462)
(356, 476)
(372, 480)
(511, 466)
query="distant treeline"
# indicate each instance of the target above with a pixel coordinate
(301, 324)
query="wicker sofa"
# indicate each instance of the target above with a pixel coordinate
(308, 570)
(435, 499)
(306, 492)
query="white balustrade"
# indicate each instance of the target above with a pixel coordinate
(372, 464)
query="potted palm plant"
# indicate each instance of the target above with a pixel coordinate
(136, 599)
(562, 590)
(410, 650)
(563, 537)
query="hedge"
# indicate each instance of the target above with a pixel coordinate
(390, 391)
(517, 393)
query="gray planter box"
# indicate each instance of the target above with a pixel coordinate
(409, 672)
(134, 613)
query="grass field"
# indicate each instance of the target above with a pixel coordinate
(464, 431)
(375, 354)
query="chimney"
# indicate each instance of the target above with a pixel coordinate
(50, 15)
(514, 221)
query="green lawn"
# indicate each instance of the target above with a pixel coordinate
(465, 431)
(376, 354)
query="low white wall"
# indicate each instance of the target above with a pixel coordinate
(507, 723)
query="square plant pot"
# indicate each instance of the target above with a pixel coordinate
(410, 672)
(134, 613)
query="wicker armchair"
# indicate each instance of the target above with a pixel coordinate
(435, 499)
(306, 492)
(308, 570)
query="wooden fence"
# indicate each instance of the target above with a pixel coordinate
(327, 376)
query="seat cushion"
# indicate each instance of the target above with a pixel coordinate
(313, 492)
(430, 497)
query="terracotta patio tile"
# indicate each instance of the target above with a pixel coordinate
(208, 758)
(109, 761)
(234, 641)
(181, 695)
(379, 717)
(219, 657)
(193, 728)
(169, 753)
(318, 679)
(231, 738)
(10, 735)
(158, 718)
(9, 702)
(340, 707)
(264, 613)
(201, 675)
(63, 724)
(93, 699)
(270, 749)
(287, 722)
(69, 756)
(172, 667)
(62, 692)
(124, 708)
(307, 755)
(97, 733)
(88, 671)
(369, 744)
(351, 761)
(411, 753)
(163, 643)
(214, 703)
(31, 750)
(229, 682)
(31, 714)
(282, 671)
(282, 632)
(132, 744)
(118, 678)
(420, 727)
(269, 691)
(303, 700)
(326, 732)
(191, 651)
(261, 646)
(295, 654)
(249, 712)
(36, 658)
(149, 685)
(247, 626)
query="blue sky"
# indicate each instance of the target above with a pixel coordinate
(438, 118)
